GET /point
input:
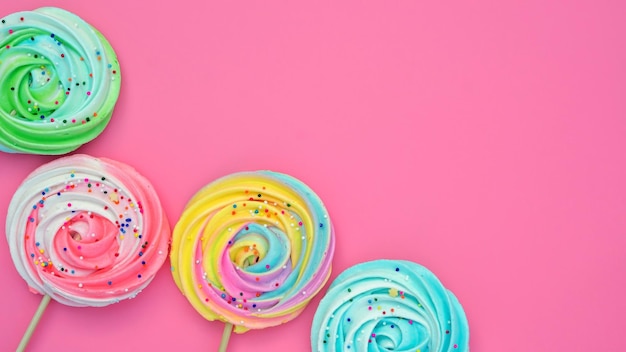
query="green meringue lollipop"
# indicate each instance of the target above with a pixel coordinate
(59, 82)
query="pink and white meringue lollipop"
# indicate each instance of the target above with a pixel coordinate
(86, 232)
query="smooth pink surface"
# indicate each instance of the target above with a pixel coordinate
(484, 140)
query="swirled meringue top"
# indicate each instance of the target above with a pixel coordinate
(389, 305)
(252, 249)
(87, 231)
(59, 82)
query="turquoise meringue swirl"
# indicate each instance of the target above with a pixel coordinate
(59, 82)
(389, 305)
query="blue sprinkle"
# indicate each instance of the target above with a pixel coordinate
(32, 255)
(65, 249)
(223, 295)
(31, 220)
(139, 276)
(234, 299)
(392, 326)
(128, 220)
(397, 269)
(254, 305)
(72, 271)
(140, 254)
(110, 283)
(122, 230)
(51, 35)
(321, 225)
(58, 193)
(256, 211)
(234, 205)
(34, 207)
(37, 244)
(143, 262)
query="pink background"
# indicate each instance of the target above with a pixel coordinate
(482, 139)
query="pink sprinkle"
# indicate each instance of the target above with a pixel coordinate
(455, 345)
(10, 31)
(88, 93)
(267, 266)
(300, 223)
(69, 204)
(79, 247)
(373, 335)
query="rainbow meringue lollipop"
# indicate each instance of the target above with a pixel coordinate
(251, 249)
(59, 82)
(86, 232)
(389, 305)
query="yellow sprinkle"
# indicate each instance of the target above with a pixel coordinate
(378, 307)
(36, 262)
(121, 237)
(136, 234)
(41, 251)
(393, 292)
